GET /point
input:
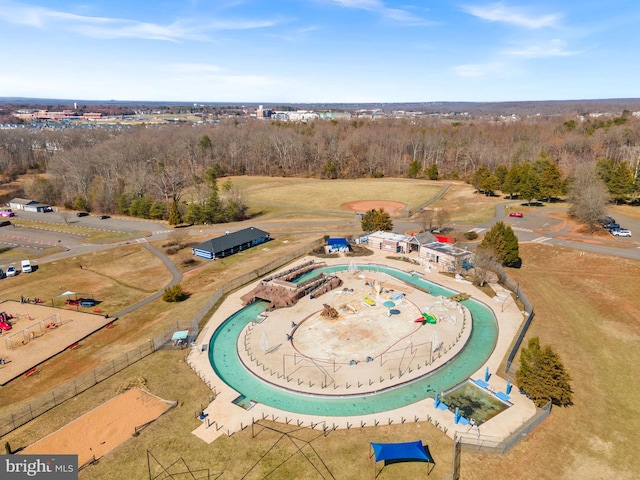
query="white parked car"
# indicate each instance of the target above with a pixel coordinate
(11, 272)
(621, 232)
(25, 266)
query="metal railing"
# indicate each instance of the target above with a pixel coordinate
(520, 295)
(472, 442)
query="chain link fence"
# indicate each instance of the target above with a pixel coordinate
(528, 308)
(22, 415)
(471, 442)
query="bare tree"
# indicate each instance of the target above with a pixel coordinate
(442, 216)
(485, 265)
(65, 216)
(588, 196)
(426, 219)
(178, 237)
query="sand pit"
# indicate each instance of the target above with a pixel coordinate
(394, 209)
(104, 428)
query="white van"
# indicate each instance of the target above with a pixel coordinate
(25, 266)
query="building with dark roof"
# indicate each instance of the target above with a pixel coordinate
(230, 243)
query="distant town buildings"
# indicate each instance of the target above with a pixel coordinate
(29, 115)
(124, 116)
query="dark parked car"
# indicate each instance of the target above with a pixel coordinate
(104, 217)
(607, 221)
(82, 214)
(612, 226)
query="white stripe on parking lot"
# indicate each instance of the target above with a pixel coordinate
(540, 239)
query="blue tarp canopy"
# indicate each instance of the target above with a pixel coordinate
(335, 242)
(180, 335)
(398, 452)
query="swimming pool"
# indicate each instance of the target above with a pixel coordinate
(474, 402)
(227, 365)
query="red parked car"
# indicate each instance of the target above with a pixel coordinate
(516, 214)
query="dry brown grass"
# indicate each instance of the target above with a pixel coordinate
(595, 332)
(115, 279)
(465, 206)
(587, 309)
(121, 280)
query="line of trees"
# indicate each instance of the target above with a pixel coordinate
(143, 170)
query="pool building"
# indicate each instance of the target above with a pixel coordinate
(230, 243)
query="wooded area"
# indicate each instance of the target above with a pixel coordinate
(142, 170)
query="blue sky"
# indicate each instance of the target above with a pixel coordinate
(276, 51)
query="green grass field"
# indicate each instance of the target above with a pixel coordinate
(319, 197)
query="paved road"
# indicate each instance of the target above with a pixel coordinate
(538, 225)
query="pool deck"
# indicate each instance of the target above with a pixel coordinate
(224, 418)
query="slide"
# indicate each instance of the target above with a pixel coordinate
(431, 319)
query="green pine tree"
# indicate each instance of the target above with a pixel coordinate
(374, 220)
(529, 185)
(432, 171)
(479, 177)
(489, 185)
(620, 184)
(500, 172)
(511, 248)
(212, 211)
(511, 183)
(174, 214)
(414, 169)
(542, 376)
(551, 181)
(503, 242)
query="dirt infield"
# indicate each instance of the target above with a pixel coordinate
(104, 428)
(392, 208)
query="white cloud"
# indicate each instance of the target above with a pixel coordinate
(109, 28)
(556, 48)
(377, 6)
(361, 4)
(194, 67)
(403, 16)
(475, 70)
(499, 12)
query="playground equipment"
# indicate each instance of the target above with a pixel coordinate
(4, 321)
(426, 318)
